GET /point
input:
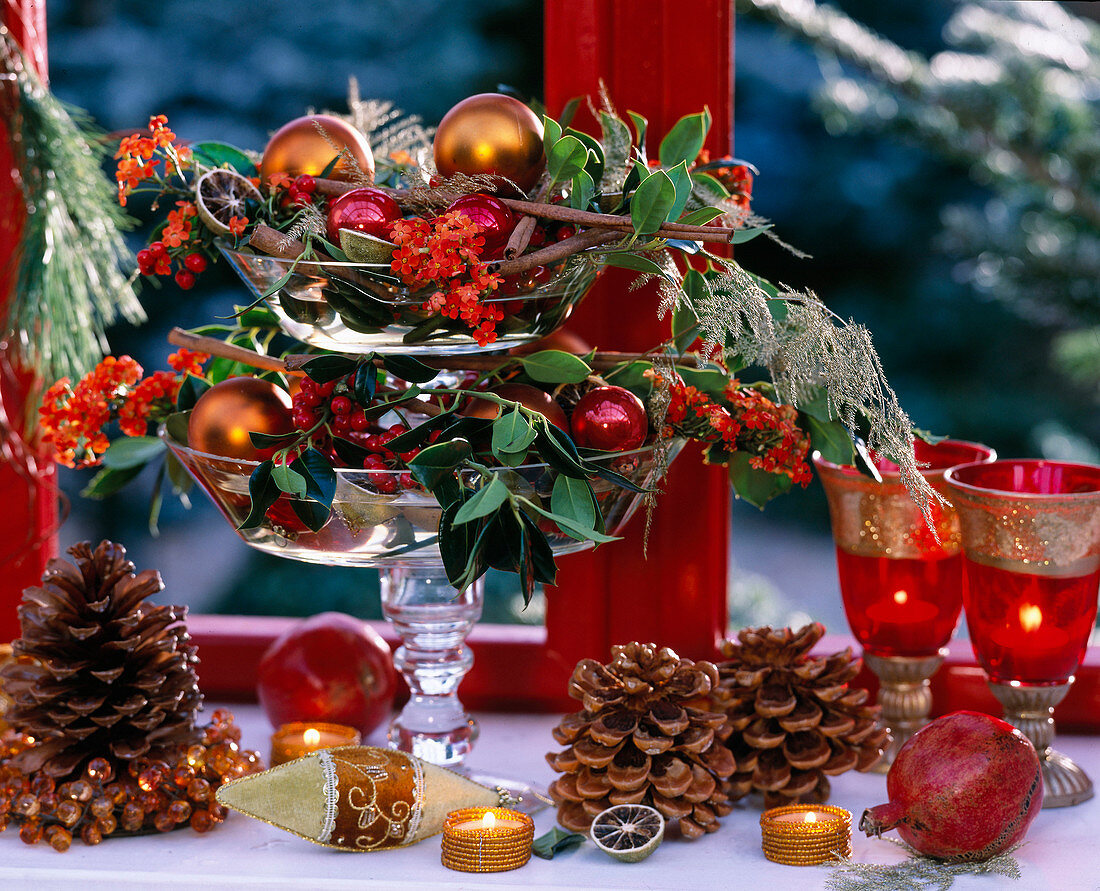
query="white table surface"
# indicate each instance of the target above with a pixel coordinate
(1062, 849)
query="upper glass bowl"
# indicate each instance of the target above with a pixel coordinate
(352, 308)
(368, 528)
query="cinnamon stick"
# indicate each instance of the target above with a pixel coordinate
(554, 252)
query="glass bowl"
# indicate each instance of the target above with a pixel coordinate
(368, 528)
(361, 308)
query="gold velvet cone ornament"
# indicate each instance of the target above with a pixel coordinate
(356, 798)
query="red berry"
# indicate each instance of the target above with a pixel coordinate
(373, 462)
(397, 429)
(157, 249)
(408, 481)
(384, 482)
(185, 279)
(305, 183)
(308, 385)
(373, 444)
(145, 260)
(341, 424)
(341, 405)
(326, 389)
(359, 422)
(195, 262)
(564, 232)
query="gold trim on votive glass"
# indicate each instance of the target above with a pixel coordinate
(481, 849)
(803, 843)
(289, 741)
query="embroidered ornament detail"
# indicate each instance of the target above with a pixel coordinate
(356, 798)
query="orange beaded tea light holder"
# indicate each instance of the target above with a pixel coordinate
(487, 839)
(301, 738)
(806, 834)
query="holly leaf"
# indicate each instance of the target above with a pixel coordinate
(640, 124)
(190, 391)
(311, 513)
(483, 502)
(289, 480)
(437, 461)
(175, 425)
(555, 842)
(652, 201)
(543, 567)
(263, 492)
(349, 452)
(419, 434)
(572, 498)
(319, 476)
(108, 481)
(573, 529)
(409, 369)
(600, 469)
(328, 368)
(685, 140)
(558, 450)
(742, 235)
(271, 440)
(512, 433)
(365, 382)
(555, 367)
(133, 451)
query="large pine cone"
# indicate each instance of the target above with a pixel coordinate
(792, 720)
(99, 671)
(643, 737)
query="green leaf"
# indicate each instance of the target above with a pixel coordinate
(328, 368)
(574, 530)
(572, 498)
(438, 461)
(569, 111)
(512, 433)
(181, 480)
(558, 450)
(263, 492)
(652, 201)
(710, 380)
(544, 568)
(685, 328)
(313, 514)
(708, 188)
(289, 480)
(555, 367)
(928, 436)
(566, 159)
(600, 469)
(319, 476)
(831, 438)
(640, 125)
(742, 235)
(695, 288)
(365, 382)
(271, 440)
(757, 487)
(276, 286)
(483, 502)
(555, 842)
(133, 451)
(594, 164)
(583, 190)
(175, 425)
(551, 133)
(623, 260)
(456, 542)
(108, 481)
(190, 391)
(418, 435)
(701, 217)
(681, 179)
(633, 378)
(685, 140)
(409, 369)
(220, 154)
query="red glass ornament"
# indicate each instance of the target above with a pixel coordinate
(494, 218)
(1031, 533)
(609, 418)
(331, 667)
(370, 211)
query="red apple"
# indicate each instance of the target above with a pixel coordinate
(331, 667)
(609, 418)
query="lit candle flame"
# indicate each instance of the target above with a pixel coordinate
(1031, 617)
(489, 821)
(811, 817)
(311, 737)
(901, 597)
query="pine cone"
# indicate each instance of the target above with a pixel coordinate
(792, 720)
(643, 737)
(99, 671)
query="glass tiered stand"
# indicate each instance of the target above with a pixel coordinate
(396, 533)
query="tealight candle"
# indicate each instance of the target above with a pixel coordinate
(806, 834)
(486, 839)
(302, 738)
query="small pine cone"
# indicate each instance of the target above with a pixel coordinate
(99, 671)
(644, 736)
(791, 719)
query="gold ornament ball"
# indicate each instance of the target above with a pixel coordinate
(491, 133)
(226, 413)
(299, 147)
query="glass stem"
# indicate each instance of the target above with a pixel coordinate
(432, 619)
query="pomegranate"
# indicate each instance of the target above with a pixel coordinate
(964, 787)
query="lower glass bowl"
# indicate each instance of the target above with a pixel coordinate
(368, 528)
(360, 308)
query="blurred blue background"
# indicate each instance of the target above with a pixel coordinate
(866, 209)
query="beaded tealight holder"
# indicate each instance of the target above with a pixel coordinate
(806, 834)
(302, 738)
(487, 839)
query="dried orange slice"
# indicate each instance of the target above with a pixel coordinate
(221, 195)
(628, 832)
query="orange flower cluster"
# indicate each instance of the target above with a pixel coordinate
(446, 252)
(73, 418)
(138, 155)
(744, 421)
(178, 228)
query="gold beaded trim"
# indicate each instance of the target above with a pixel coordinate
(486, 850)
(798, 843)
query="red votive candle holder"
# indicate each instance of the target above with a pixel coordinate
(1031, 537)
(900, 582)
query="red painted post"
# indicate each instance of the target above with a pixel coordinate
(662, 59)
(28, 487)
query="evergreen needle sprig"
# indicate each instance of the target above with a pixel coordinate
(69, 280)
(918, 873)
